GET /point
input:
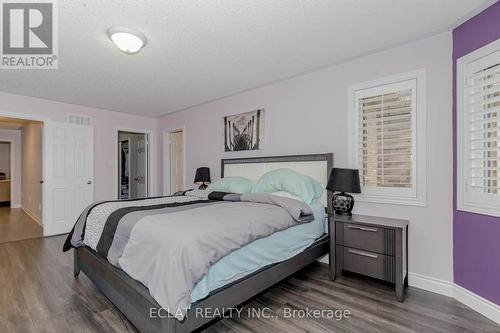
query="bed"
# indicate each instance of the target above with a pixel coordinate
(134, 300)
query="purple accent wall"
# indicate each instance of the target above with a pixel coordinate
(476, 238)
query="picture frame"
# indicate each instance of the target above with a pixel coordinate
(244, 131)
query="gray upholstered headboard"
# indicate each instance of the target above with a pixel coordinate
(317, 166)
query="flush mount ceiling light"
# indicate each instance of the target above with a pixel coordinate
(126, 39)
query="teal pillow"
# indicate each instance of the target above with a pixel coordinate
(290, 181)
(232, 185)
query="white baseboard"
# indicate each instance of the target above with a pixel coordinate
(446, 288)
(477, 303)
(33, 216)
(428, 283)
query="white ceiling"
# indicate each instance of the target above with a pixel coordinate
(203, 50)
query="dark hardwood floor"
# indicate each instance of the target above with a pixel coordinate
(15, 225)
(39, 294)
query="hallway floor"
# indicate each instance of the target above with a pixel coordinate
(15, 225)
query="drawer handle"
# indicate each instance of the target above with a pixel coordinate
(364, 254)
(362, 228)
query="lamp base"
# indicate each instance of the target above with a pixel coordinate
(203, 187)
(342, 204)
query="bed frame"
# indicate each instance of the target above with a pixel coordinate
(133, 299)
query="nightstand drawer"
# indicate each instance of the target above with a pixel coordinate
(364, 237)
(372, 264)
(372, 246)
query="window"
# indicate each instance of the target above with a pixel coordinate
(478, 131)
(387, 138)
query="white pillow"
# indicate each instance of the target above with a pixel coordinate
(286, 195)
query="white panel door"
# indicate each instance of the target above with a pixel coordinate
(68, 175)
(142, 167)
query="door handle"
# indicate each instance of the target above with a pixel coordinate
(41, 181)
(362, 228)
(362, 253)
(89, 182)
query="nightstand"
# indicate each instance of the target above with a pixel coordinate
(373, 246)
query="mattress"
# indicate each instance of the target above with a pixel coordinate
(171, 243)
(275, 248)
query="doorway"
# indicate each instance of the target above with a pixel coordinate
(133, 165)
(174, 161)
(20, 176)
(55, 162)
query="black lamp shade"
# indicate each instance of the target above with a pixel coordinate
(344, 180)
(202, 176)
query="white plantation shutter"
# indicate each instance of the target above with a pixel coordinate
(484, 130)
(479, 133)
(384, 139)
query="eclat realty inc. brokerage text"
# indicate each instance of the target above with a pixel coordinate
(249, 312)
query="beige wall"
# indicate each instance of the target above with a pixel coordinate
(14, 137)
(5, 158)
(32, 161)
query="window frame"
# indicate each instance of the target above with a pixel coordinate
(462, 201)
(416, 81)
